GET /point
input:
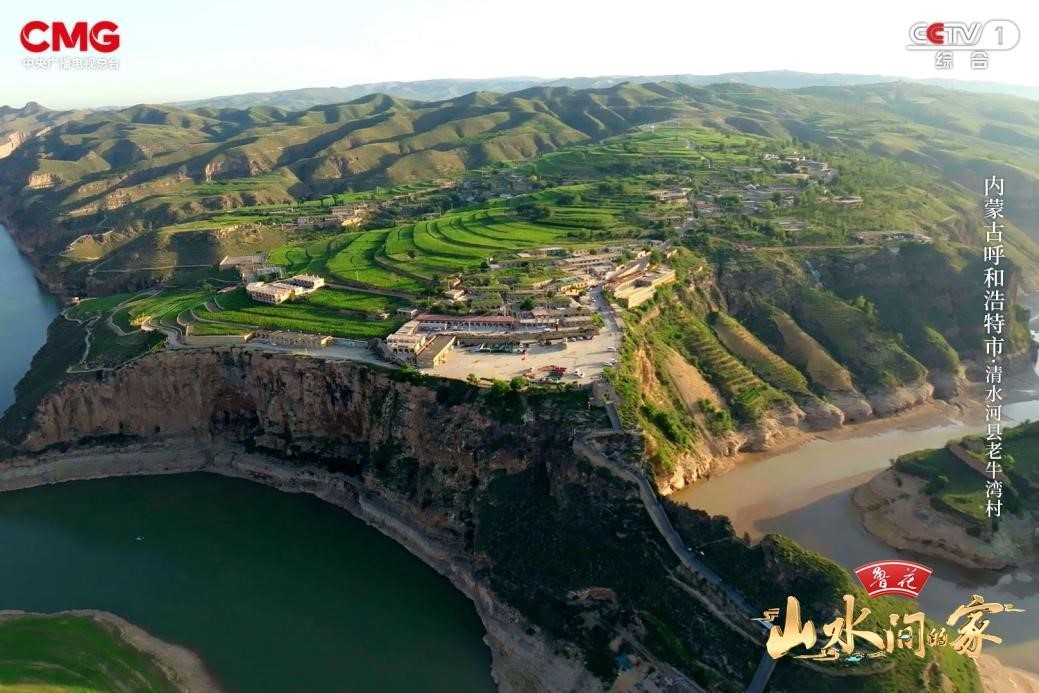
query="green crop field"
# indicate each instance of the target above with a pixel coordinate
(356, 262)
(73, 654)
(312, 257)
(108, 349)
(1022, 443)
(406, 257)
(93, 307)
(215, 328)
(166, 305)
(965, 491)
(239, 309)
(337, 299)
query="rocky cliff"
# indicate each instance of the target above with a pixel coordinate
(433, 444)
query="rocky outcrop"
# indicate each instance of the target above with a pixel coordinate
(13, 141)
(893, 400)
(947, 384)
(41, 180)
(820, 415)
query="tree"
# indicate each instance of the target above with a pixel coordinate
(500, 388)
(527, 304)
(936, 484)
(518, 383)
(472, 379)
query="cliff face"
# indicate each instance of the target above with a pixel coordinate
(358, 420)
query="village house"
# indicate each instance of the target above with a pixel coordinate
(634, 292)
(569, 286)
(407, 340)
(436, 322)
(408, 312)
(322, 220)
(671, 194)
(294, 339)
(849, 201)
(436, 352)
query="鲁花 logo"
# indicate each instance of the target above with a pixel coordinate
(38, 36)
(904, 578)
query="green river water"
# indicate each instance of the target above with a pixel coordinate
(276, 592)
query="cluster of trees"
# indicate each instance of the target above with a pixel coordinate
(535, 211)
(719, 421)
(668, 421)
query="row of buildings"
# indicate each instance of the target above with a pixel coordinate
(802, 164)
(634, 291)
(284, 289)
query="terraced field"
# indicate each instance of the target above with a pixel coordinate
(747, 393)
(408, 258)
(357, 262)
(807, 354)
(310, 258)
(762, 360)
(322, 315)
(164, 307)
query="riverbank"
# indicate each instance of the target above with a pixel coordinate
(1000, 678)
(932, 413)
(895, 509)
(183, 668)
(521, 659)
(52, 284)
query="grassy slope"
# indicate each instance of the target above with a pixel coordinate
(73, 654)
(963, 492)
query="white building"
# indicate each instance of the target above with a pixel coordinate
(284, 289)
(269, 293)
(407, 340)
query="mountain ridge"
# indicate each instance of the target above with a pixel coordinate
(441, 89)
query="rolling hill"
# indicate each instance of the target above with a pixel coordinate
(151, 166)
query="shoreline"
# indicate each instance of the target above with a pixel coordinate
(182, 667)
(932, 413)
(894, 509)
(521, 660)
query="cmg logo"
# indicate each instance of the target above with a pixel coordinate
(38, 36)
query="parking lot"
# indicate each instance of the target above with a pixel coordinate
(587, 356)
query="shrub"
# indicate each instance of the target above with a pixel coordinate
(936, 484)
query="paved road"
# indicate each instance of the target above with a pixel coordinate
(762, 674)
(651, 501)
